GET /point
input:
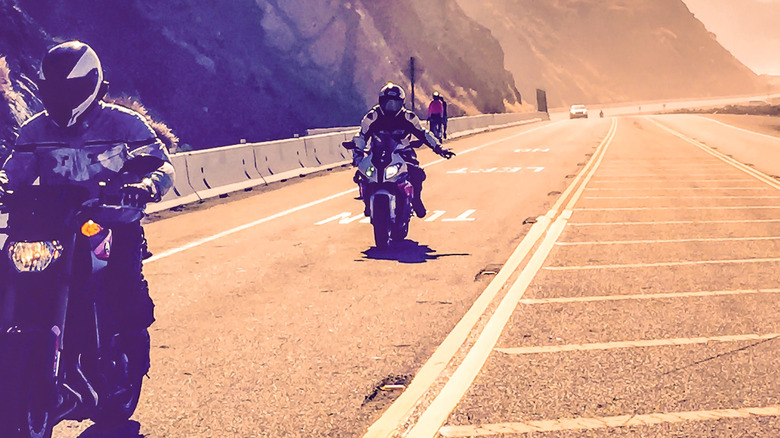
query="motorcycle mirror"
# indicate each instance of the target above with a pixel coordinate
(142, 165)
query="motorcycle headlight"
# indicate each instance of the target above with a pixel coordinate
(370, 171)
(392, 171)
(34, 256)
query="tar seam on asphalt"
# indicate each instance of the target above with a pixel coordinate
(718, 356)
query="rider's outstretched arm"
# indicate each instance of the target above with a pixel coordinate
(420, 132)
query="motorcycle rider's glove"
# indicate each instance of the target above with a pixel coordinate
(139, 194)
(444, 152)
(357, 157)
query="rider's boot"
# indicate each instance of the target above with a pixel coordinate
(417, 176)
(359, 181)
(418, 207)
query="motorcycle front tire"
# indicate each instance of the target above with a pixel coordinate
(118, 409)
(27, 388)
(380, 218)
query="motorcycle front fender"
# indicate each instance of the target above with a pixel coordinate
(382, 193)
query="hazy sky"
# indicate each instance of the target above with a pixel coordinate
(749, 29)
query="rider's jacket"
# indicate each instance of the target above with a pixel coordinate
(87, 153)
(405, 124)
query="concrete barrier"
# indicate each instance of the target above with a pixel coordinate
(212, 174)
(311, 145)
(181, 193)
(277, 160)
(328, 149)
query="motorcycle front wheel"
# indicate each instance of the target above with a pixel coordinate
(119, 408)
(27, 389)
(380, 218)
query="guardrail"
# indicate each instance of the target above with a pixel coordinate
(209, 173)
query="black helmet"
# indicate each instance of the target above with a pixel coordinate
(71, 80)
(391, 98)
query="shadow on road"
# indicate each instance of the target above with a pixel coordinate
(128, 429)
(407, 251)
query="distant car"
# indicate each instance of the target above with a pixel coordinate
(578, 111)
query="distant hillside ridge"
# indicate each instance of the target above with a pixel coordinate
(601, 51)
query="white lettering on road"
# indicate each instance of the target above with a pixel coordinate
(463, 217)
(532, 150)
(343, 218)
(349, 218)
(432, 216)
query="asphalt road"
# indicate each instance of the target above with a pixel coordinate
(642, 302)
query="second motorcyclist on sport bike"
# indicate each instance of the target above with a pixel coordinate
(391, 116)
(81, 140)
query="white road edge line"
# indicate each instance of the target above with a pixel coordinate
(600, 346)
(437, 412)
(656, 296)
(584, 423)
(721, 156)
(740, 129)
(196, 243)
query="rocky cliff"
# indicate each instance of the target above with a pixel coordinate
(218, 72)
(589, 51)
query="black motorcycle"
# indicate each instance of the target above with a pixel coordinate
(60, 355)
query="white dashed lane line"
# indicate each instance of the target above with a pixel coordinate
(734, 207)
(655, 296)
(644, 242)
(605, 422)
(635, 344)
(662, 264)
(690, 222)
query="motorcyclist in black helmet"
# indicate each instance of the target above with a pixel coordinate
(390, 115)
(81, 140)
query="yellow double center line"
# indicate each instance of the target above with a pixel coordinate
(438, 411)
